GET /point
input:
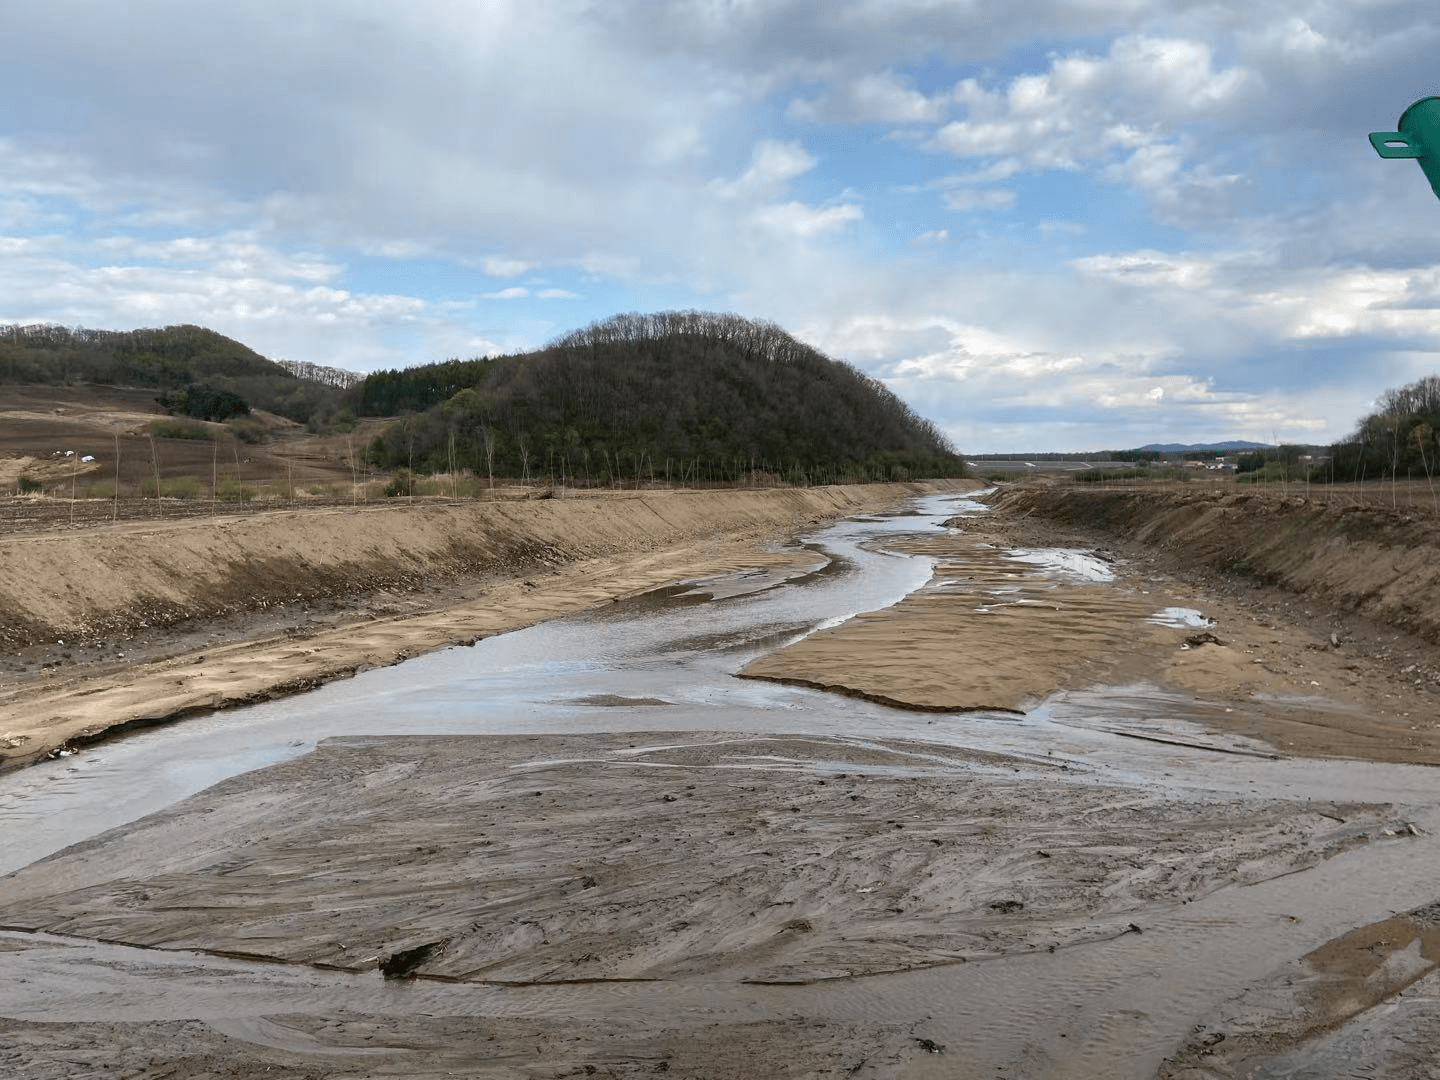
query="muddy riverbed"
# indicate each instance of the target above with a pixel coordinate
(587, 848)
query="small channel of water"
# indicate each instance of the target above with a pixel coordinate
(672, 646)
(1108, 1009)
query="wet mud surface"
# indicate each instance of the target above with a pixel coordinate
(533, 859)
(587, 849)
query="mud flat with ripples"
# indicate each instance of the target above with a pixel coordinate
(726, 867)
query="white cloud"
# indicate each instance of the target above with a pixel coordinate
(880, 96)
(398, 249)
(499, 267)
(1002, 169)
(1122, 111)
(987, 199)
(1150, 268)
(772, 166)
(1275, 302)
(798, 220)
(233, 255)
(515, 292)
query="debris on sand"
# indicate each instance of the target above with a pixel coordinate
(402, 964)
(1194, 641)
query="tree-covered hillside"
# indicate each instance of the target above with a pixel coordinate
(691, 395)
(1401, 437)
(170, 359)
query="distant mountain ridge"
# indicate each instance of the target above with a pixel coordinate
(1189, 448)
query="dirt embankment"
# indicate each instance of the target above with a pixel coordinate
(117, 580)
(1381, 563)
(1141, 607)
(109, 627)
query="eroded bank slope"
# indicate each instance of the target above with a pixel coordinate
(1029, 608)
(115, 579)
(172, 618)
(1375, 561)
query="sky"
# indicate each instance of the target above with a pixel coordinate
(1051, 225)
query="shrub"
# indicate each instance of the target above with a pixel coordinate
(1091, 476)
(247, 429)
(30, 486)
(180, 429)
(210, 403)
(462, 487)
(1094, 476)
(230, 489)
(402, 483)
(1269, 473)
(205, 402)
(181, 487)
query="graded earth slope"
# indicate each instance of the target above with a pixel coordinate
(1380, 562)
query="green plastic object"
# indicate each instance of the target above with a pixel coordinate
(1418, 138)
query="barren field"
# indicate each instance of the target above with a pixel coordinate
(39, 424)
(590, 864)
(140, 623)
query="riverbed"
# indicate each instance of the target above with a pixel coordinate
(608, 854)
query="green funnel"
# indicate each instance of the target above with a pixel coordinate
(1418, 138)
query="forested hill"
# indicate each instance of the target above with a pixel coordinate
(169, 359)
(166, 358)
(1402, 435)
(684, 394)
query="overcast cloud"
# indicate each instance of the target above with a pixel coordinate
(1065, 224)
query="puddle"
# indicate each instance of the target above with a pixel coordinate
(1180, 618)
(749, 582)
(618, 701)
(1065, 564)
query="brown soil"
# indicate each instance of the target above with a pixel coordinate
(38, 424)
(1361, 557)
(1320, 993)
(310, 1047)
(584, 856)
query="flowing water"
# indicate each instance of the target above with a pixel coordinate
(666, 662)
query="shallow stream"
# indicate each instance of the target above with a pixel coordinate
(666, 662)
